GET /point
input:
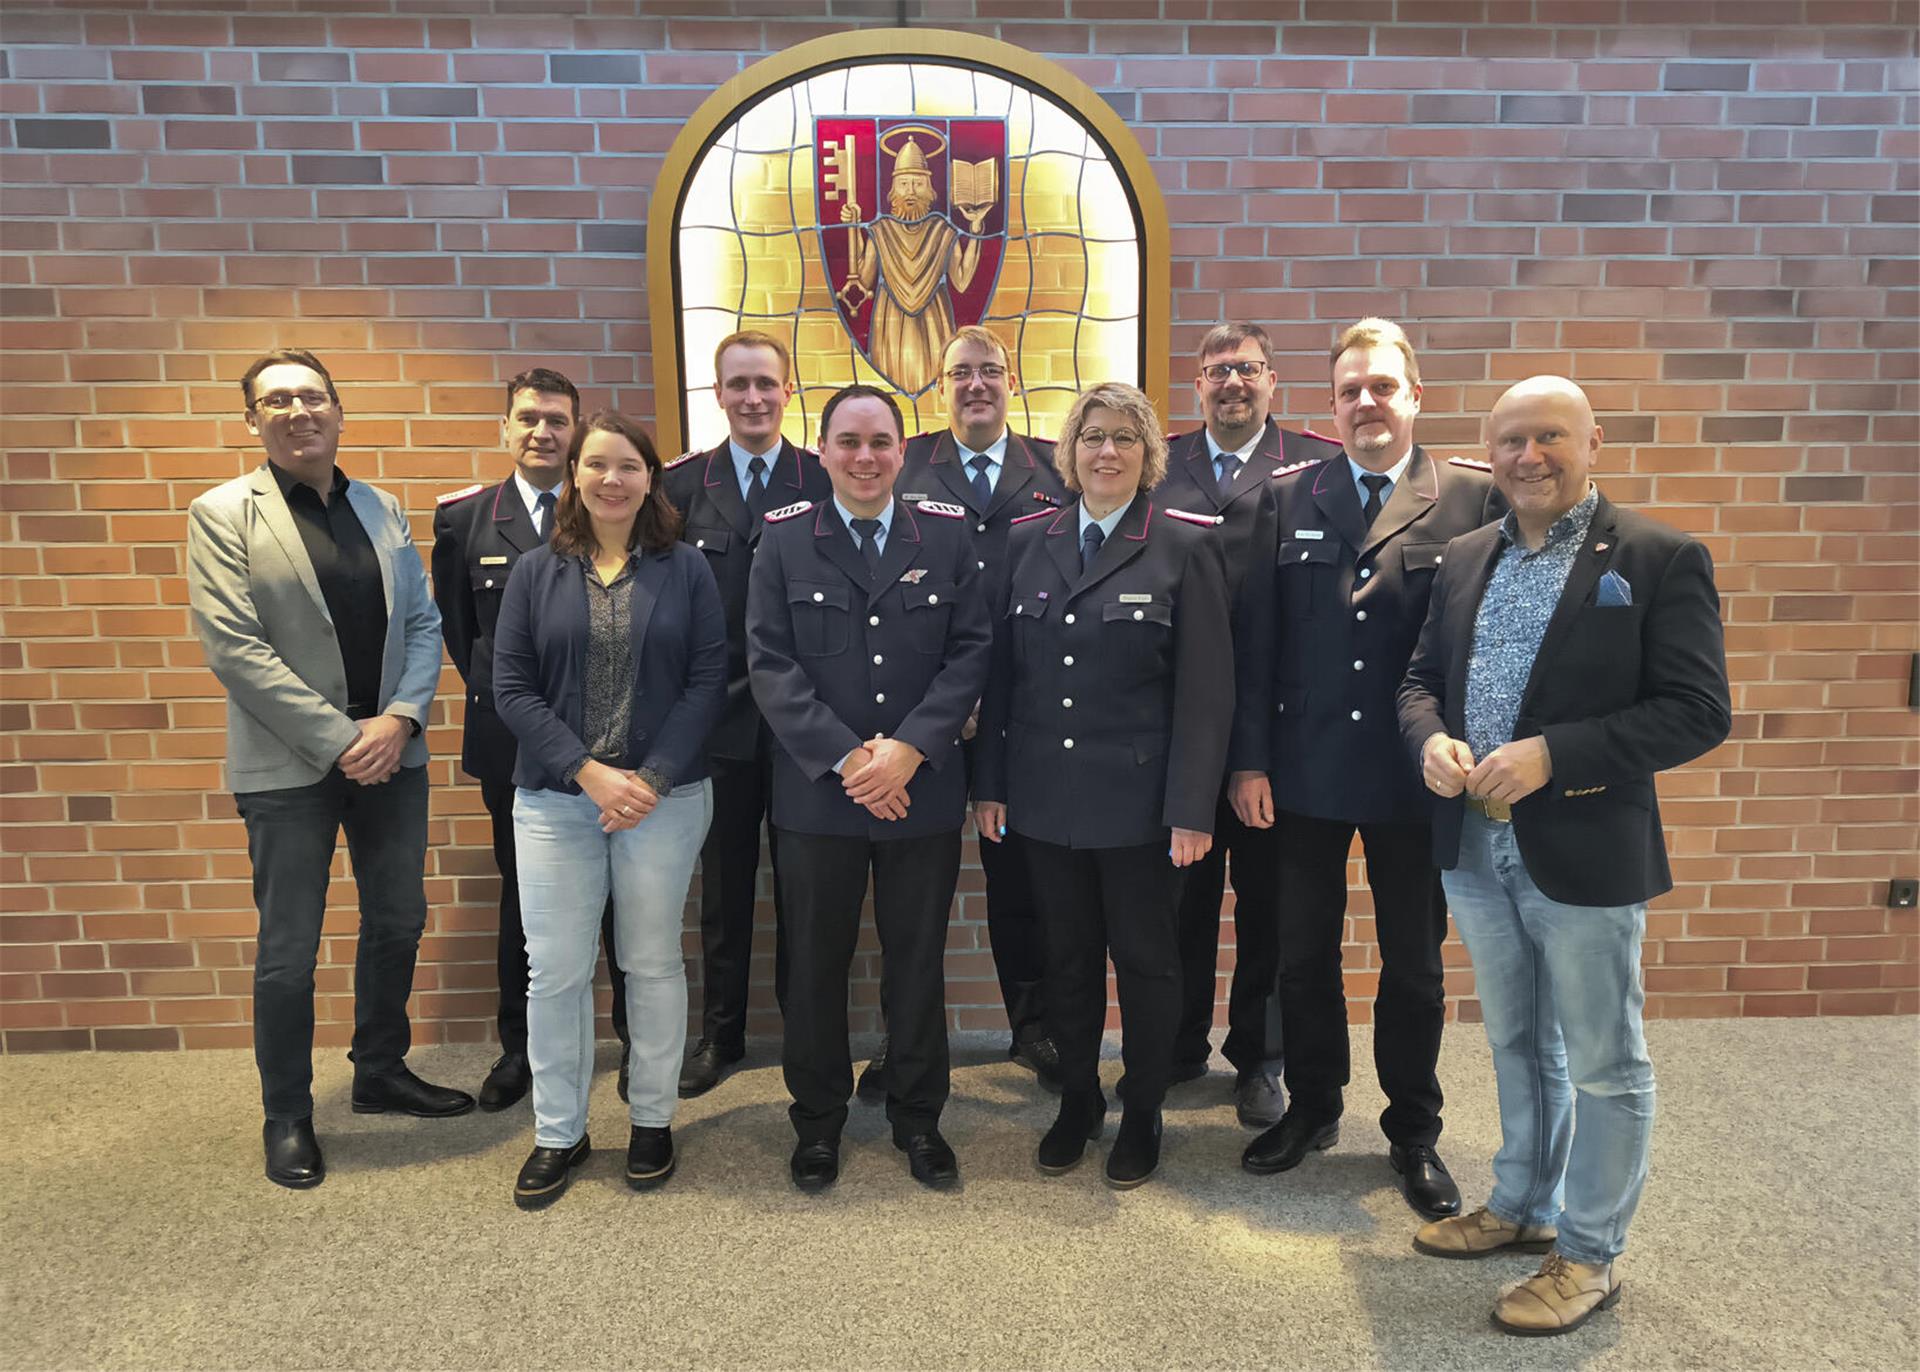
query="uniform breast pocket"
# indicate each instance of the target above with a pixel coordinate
(1026, 617)
(1306, 568)
(1419, 561)
(1136, 640)
(821, 617)
(489, 577)
(929, 607)
(713, 542)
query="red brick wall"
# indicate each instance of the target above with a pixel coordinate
(1711, 224)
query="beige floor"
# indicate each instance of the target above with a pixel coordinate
(1779, 1230)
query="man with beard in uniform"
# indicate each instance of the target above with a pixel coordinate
(997, 476)
(725, 494)
(479, 533)
(1318, 754)
(1222, 469)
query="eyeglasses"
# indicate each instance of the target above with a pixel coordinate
(281, 402)
(960, 376)
(1217, 372)
(1094, 439)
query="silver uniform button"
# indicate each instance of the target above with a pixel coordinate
(1356, 716)
(1365, 572)
(1360, 615)
(1066, 702)
(699, 542)
(1069, 619)
(1303, 554)
(980, 528)
(1357, 664)
(981, 566)
(871, 619)
(877, 660)
(489, 585)
(1067, 743)
(933, 600)
(880, 698)
(1139, 614)
(1067, 661)
(1281, 707)
(817, 597)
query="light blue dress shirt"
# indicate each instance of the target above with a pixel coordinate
(741, 457)
(879, 539)
(1392, 474)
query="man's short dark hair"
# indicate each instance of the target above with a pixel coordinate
(297, 356)
(855, 392)
(547, 381)
(1226, 338)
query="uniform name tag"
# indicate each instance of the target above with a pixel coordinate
(912, 496)
(1136, 600)
(493, 562)
(1310, 533)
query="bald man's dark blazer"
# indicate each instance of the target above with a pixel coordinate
(1620, 692)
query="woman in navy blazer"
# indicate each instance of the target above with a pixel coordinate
(610, 668)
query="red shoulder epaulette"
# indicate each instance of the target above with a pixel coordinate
(1205, 520)
(1472, 462)
(799, 507)
(1037, 514)
(942, 508)
(1293, 467)
(684, 457)
(461, 494)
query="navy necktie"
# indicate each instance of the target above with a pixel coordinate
(1090, 542)
(1375, 485)
(868, 531)
(1226, 468)
(982, 488)
(543, 513)
(757, 488)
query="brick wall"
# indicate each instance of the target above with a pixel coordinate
(1711, 224)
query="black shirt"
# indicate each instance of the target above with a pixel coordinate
(348, 570)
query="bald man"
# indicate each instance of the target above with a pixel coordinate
(1571, 651)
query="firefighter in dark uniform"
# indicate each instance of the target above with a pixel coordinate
(724, 495)
(1223, 469)
(997, 476)
(867, 642)
(479, 534)
(1317, 753)
(1104, 738)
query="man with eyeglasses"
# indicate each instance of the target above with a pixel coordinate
(311, 605)
(479, 535)
(1224, 469)
(998, 476)
(725, 493)
(1318, 754)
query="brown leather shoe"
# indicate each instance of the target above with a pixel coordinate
(1480, 1235)
(1557, 1299)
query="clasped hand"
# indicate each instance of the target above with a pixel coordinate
(1509, 773)
(624, 799)
(375, 755)
(876, 775)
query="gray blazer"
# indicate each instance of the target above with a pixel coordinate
(268, 637)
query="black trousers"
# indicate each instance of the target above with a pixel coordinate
(290, 840)
(729, 871)
(511, 955)
(1014, 929)
(1410, 923)
(823, 878)
(1096, 901)
(1254, 1025)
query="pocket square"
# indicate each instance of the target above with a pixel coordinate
(1614, 591)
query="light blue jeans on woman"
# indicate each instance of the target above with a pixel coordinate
(1561, 992)
(567, 867)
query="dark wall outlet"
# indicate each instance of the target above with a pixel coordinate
(1903, 893)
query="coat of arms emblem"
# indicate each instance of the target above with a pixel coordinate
(913, 223)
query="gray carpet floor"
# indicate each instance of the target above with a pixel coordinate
(1778, 1230)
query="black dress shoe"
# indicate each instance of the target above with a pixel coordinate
(1083, 1114)
(1256, 1099)
(816, 1166)
(1425, 1181)
(1136, 1149)
(545, 1175)
(872, 1087)
(506, 1083)
(650, 1157)
(1040, 1057)
(293, 1154)
(398, 1091)
(705, 1066)
(1287, 1144)
(930, 1158)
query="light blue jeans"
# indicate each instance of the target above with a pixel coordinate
(1561, 993)
(566, 869)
